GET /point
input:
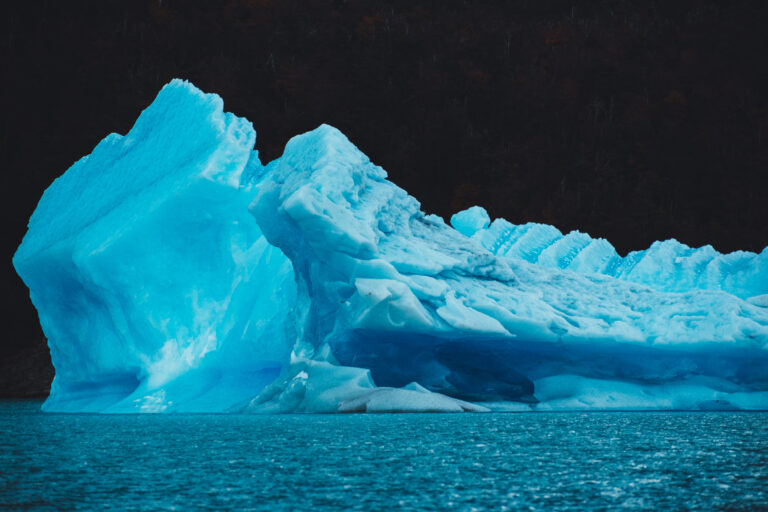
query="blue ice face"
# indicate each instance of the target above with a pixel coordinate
(172, 271)
(154, 285)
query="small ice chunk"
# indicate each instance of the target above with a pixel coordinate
(407, 400)
(470, 221)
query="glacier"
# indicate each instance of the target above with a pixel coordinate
(173, 271)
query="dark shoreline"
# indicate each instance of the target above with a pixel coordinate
(26, 373)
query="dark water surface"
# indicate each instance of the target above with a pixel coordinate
(533, 461)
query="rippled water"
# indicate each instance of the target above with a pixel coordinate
(539, 461)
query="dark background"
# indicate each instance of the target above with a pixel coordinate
(630, 120)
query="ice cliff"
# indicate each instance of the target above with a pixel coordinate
(172, 271)
(152, 281)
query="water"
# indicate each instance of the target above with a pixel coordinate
(542, 461)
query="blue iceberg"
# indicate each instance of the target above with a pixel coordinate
(173, 271)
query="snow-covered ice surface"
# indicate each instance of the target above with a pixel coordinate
(172, 271)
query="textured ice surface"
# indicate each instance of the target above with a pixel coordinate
(665, 266)
(174, 272)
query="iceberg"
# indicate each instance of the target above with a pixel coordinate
(173, 271)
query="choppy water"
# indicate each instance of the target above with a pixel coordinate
(541, 461)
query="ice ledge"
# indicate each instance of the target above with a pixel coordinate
(311, 386)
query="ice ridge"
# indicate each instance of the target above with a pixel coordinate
(665, 266)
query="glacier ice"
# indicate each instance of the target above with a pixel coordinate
(665, 266)
(173, 271)
(470, 221)
(152, 282)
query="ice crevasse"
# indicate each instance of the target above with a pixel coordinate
(173, 271)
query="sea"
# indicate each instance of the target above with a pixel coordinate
(383, 462)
